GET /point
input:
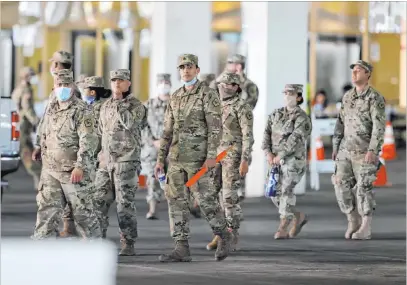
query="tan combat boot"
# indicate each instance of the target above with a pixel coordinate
(69, 229)
(180, 253)
(365, 230)
(353, 224)
(298, 222)
(223, 248)
(127, 248)
(282, 232)
(213, 244)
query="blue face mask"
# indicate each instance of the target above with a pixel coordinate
(63, 93)
(89, 99)
(189, 83)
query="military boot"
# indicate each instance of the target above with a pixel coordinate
(69, 229)
(180, 253)
(235, 240)
(151, 215)
(213, 244)
(299, 221)
(127, 248)
(282, 232)
(365, 230)
(353, 224)
(223, 248)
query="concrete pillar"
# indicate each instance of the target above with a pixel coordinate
(173, 33)
(276, 35)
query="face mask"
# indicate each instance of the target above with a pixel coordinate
(226, 92)
(290, 101)
(190, 83)
(63, 93)
(89, 99)
(34, 80)
(163, 89)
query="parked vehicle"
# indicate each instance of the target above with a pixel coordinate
(9, 140)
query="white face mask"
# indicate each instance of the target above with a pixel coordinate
(290, 101)
(34, 80)
(163, 89)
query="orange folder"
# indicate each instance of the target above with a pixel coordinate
(204, 169)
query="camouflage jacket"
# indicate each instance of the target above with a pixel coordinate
(286, 133)
(192, 125)
(237, 123)
(361, 122)
(120, 126)
(68, 136)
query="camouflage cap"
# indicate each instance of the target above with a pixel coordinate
(81, 79)
(229, 78)
(187, 59)
(236, 58)
(209, 77)
(64, 76)
(27, 71)
(163, 77)
(93, 81)
(363, 64)
(62, 56)
(295, 88)
(120, 74)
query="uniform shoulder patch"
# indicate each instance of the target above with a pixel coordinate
(307, 126)
(140, 112)
(88, 122)
(249, 116)
(215, 101)
(252, 88)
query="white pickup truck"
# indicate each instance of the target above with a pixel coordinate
(9, 139)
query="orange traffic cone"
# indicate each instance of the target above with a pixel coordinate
(389, 146)
(381, 177)
(320, 149)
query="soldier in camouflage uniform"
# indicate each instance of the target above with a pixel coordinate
(156, 107)
(23, 97)
(92, 92)
(192, 130)
(357, 141)
(67, 147)
(121, 120)
(250, 93)
(237, 118)
(286, 131)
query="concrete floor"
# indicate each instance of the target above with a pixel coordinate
(319, 255)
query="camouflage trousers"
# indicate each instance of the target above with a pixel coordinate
(118, 181)
(52, 187)
(67, 215)
(179, 202)
(291, 173)
(352, 173)
(32, 167)
(228, 181)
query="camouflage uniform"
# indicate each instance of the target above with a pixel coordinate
(94, 108)
(359, 128)
(237, 118)
(23, 97)
(207, 79)
(192, 130)
(67, 143)
(80, 83)
(155, 125)
(284, 136)
(120, 125)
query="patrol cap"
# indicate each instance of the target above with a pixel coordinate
(294, 88)
(64, 76)
(209, 77)
(123, 74)
(163, 77)
(26, 70)
(62, 56)
(230, 78)
(93, 81)
(236, 58)
(187, 59)
(81, 79)
(367, 66)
